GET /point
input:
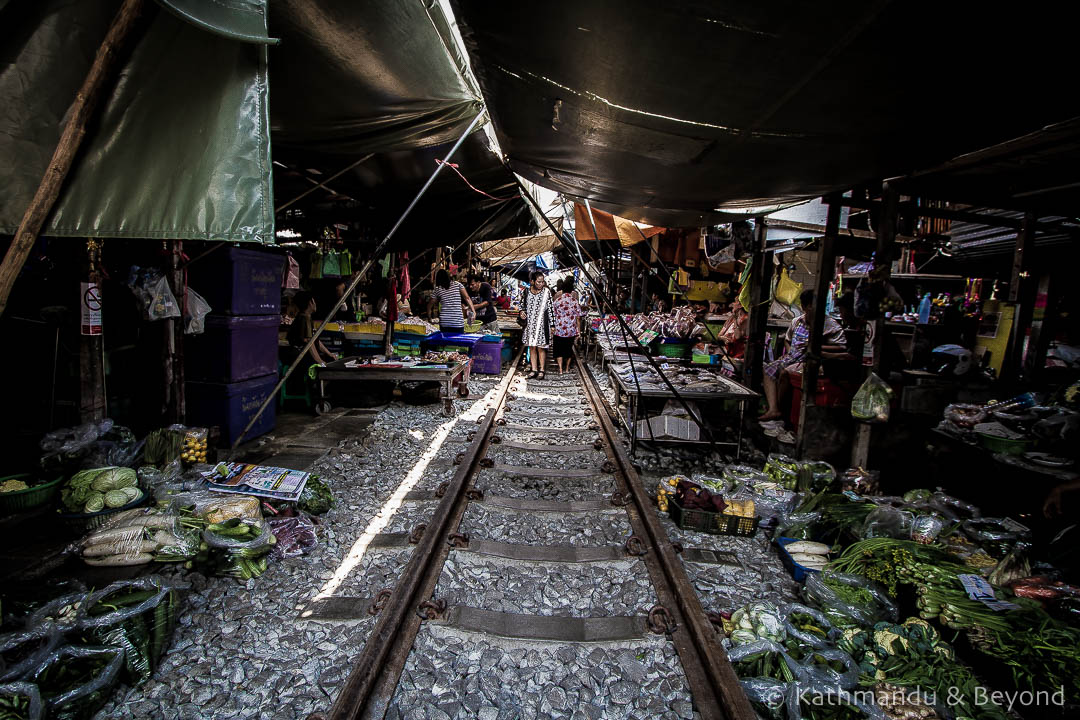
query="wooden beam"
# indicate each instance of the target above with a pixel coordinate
(761, 272)
(82, 111)
(819, 230)
(173, 346)
(886, 238)
(826, 267)
(92, 400)
(1022, 291)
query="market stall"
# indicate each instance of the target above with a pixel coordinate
(446, 370)
(640, 392)
(913, 606)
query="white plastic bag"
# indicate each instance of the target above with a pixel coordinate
(195, 311)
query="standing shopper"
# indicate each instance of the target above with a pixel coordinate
(537, 313)
(484, 302)
(567, 311)
(450, 294)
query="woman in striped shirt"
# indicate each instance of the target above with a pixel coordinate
(450, 294)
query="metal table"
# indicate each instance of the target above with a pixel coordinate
(634, 395)
(337, 371)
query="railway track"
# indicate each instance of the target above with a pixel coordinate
(542, 584)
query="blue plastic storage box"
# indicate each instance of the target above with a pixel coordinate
(487, 358)
(231, 406)
(240, 281)
(233, 348)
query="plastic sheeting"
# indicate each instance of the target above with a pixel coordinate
(358, 77)
(707, 107)
(182, 147)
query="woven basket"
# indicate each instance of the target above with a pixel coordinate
(85, 522)
(30, 498)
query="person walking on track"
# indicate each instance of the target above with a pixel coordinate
(538, 317)
(567, 311)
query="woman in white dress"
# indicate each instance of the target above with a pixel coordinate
(539, 322)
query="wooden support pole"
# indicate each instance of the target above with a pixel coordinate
(1022, 291)
(173, 345)
(93, 405)
(106, 63)
(826, 266)
(391, 308)
(886, 237)
(761, 272)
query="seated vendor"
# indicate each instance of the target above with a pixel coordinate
(733, 334)
(300, 331)
(777, 373)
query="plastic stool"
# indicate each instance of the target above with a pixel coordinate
(284, 395)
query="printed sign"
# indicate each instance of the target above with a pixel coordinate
(91, 309)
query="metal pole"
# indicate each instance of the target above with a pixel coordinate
(356, 280)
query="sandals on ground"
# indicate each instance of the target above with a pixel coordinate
(540, 375)
(530, 375)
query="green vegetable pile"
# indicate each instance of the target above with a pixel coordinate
(91, 491)
(912, 655)
(14, 707)
(144, 636)
(239, 548)
(316, 498)
(767, 664)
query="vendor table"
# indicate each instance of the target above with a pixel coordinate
(634, 395)
(338, 371)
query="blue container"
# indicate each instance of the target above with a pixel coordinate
(230, 406)
(467, 342)
(233, 348)
(507, 353)
(240, 281)
(487, 358)
(797, 571)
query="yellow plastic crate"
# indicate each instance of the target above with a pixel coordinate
(409, 328)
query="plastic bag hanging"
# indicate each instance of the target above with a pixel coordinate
(871, 402)
(195, 311)
(316, 266)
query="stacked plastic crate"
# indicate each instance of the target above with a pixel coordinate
(233, 366)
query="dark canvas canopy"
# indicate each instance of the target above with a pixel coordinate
(183, 147)
(696, 107)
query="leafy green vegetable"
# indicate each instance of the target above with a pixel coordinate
(316, 498)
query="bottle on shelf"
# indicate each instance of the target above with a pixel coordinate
(924, 310)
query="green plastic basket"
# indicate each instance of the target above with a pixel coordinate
(1004, 445)
(30, 498)
(713, 523)
(675, 349)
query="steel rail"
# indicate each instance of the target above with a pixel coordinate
(713, 683)
(371, 683)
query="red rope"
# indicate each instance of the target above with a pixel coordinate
(454, 167)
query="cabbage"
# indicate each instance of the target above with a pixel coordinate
(76, 491)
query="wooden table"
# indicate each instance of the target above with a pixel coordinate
(337, 371)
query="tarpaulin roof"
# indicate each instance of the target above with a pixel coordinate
(610, 227)
(183, 146)
(698, 107)
(516, 249)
